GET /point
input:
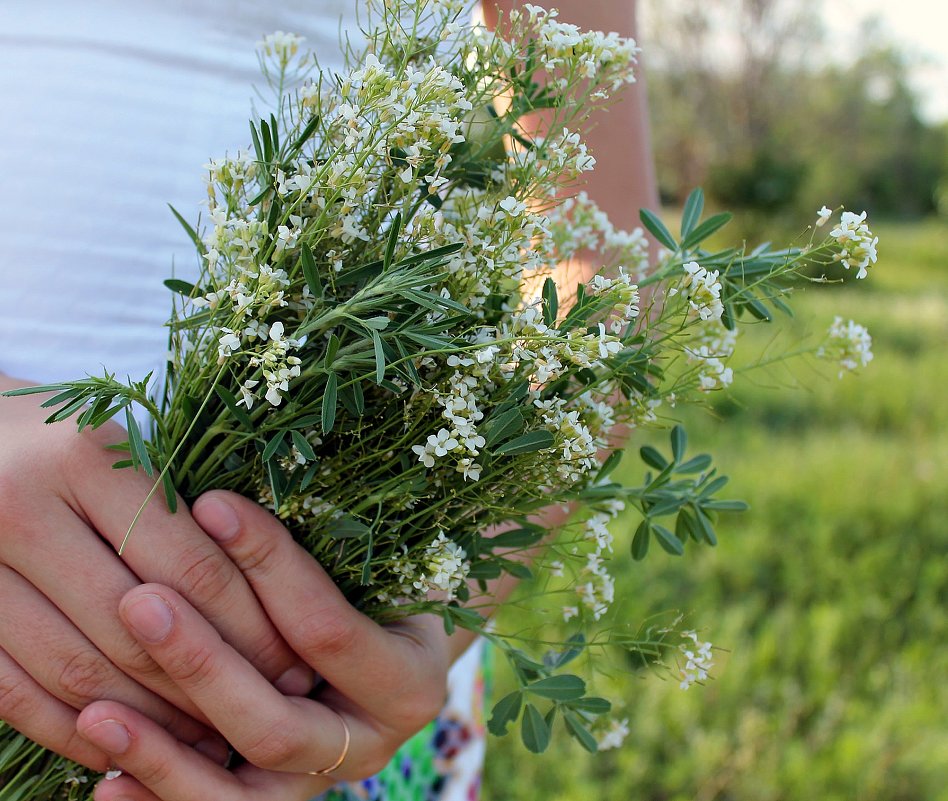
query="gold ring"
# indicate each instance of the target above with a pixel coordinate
(342, 756)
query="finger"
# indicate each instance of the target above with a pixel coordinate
(46, 720)
(271, 730)
(45, 644)
(404, 663)
(171, 549)
(159, 767)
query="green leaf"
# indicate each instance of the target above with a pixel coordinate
(393, 233)
(332, 348)
(668, 540)
(695, 464)
(579, 732)
(652, 457)
(275, 442)
(137, 444)
(657, 228)
(179, 286)
(192, 234)
(534, 730)
(303, 446)
(591, 704)
(256, 142)
(379, 357)
(640, 540)
(611, 463)
(358, 397)
(329, 403)
(694, 205)
(713, 486)
(503, 426)
(550, 301)
(505, 712)
(679, 442)
(171, 497)
(231, 403)
(56, 400)
(558, 688)
(758, 309)
(379, 323)
(527, 443)
(517, 538)
(347, 527)
(725, 506)
(704, 525)
(310, 273)
(705, 230)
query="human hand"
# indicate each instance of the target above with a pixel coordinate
(63, 511)
(384, 683)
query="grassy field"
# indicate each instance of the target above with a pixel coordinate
(830, 595)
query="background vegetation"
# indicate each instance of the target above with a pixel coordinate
(830, 595)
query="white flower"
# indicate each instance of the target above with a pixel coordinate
(569, 612)
(703, 291)
(280, 45)
(857, 242)
(615, 735)
(247, 398)
(823, 216)
(227, 343)
(697, 660)
(847, 343)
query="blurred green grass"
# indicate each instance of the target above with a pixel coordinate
(830, 595)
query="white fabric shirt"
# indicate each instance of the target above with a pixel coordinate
(108, 110)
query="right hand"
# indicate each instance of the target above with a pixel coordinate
(63, 513)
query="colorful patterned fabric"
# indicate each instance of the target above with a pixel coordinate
(443, 761)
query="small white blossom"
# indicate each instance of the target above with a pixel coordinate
(857, 242)
(615, 735)
(823, 216)
(849, 344)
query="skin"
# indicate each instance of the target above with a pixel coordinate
(252, 616)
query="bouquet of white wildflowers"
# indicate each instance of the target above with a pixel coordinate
(377, 348)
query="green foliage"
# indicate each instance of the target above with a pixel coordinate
(829, 595)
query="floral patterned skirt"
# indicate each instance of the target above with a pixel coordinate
(443, 762)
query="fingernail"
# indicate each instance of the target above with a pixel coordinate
(296, 681)
(110, 735)
(218, 519)
(216, 750)
(150, 616)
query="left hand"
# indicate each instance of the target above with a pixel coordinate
(385, 683)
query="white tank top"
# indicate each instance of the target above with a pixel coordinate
(108, 110)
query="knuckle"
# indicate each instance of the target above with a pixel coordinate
(16, 702)
(325, 634)
(137, 662)
(207, 577)
(194, 667)
(280, 745)
(260, 559)
(153, 772)
(371, 764)
(84, 677)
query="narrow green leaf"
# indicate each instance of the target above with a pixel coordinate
(192, 234)
(392, 242)
(379, 357)
(695, 464)
(310, 273)
(527, 443)
(239, 413)
(137, 444)
(13, 393)
(640, 540)
(256, 142)
(503, 426)
(358, 397)
(705, 230)
(517, 538)
(179, 286)
(679, 442)
(505, 712)
(303, 446)
(657, 228)
(305, 134)
(591, 704)
(558, 688)
(652, 457)
(668, 540)
(332, 348)
(713, 486)
(121, 464)
(691, 213)
(329, 403)
(611, 463)
(347, 527)
(275, 442)
(267, 142)
(171, 497)
(704, 524)
(534, 730)
(57, 399)
(579, 732)
(550, 301)
(725, 506)
(758, 309)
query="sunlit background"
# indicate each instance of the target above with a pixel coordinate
(828, 601)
